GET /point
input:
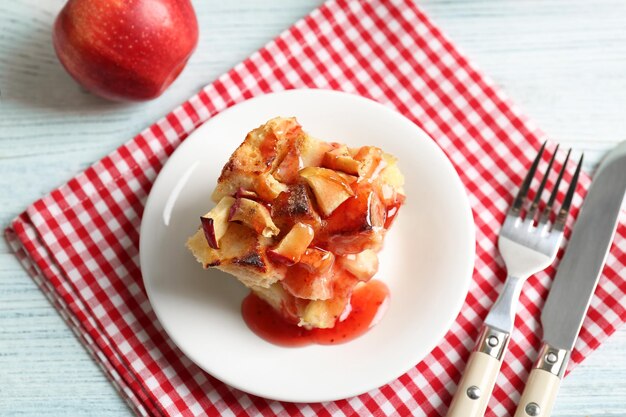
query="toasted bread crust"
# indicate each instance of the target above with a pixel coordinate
(241, 255)
(259, 154)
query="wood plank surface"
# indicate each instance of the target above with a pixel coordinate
(563, 62)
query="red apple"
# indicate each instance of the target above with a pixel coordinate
(125, 50)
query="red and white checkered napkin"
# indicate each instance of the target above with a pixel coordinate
(80, 243)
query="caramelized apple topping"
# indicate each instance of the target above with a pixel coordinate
(243, 193)
(215, 222)
(287, 169)
(300, 221)
(317, 260)
(293, 245)
(267, 148)
(254, 215)
(325, 313)
(340, 159)
(371, 161)
(361, 212)
(268, 187)
(312, 277)
(331, 188)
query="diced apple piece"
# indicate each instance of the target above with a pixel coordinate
(363, 265)
(268, 187)
(287, 169)
(301, 283)
(267, 148)
(293, 245)
(322, 314)
(254, 215)
(391, 174)
(356, 225)
(363, 211)
(243, 193)
(209, 231)
(340, 160)
(311, 278)
(331, 188)
(215, 222)
(371, 161)
(317, 261)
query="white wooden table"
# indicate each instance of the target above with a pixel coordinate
(563, 61)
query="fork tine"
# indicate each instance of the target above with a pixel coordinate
(516, 207)
(535, 204)
(545, 214)
(559, 224)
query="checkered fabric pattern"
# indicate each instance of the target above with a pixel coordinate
(80, 242)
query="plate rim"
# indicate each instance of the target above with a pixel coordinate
(468, 222)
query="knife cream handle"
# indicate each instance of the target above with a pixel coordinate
(543, 383)
(539, 394)
(479, 377)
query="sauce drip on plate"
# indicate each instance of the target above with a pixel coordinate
(368, 304)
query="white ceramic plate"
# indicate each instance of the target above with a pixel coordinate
(427, 260)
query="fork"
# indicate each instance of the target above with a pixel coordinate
(528, 243)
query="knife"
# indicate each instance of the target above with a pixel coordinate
(575, 283)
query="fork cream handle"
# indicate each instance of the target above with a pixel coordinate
(479, 377)
(539, 394)
(474, 390)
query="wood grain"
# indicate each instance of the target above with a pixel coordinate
(563, 62)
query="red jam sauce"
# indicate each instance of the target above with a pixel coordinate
(368, 304)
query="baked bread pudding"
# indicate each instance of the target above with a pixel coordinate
(300, 221)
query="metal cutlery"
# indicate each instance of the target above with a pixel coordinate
(575, 283)
(528, 243)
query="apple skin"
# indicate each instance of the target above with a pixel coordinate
(125, 50)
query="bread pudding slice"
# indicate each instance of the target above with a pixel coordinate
(300, 221)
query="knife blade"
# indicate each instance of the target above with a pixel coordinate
(588, 247)
(575, 282)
